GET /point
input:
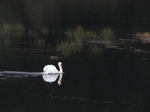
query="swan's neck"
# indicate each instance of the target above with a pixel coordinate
(60, 75)
(60, 69)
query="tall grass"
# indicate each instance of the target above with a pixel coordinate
(74, 42)
(68, 49)
(16, 30)
(79, 38)
(144, 37)
(108, 36)
(11, 34)
(37, 36)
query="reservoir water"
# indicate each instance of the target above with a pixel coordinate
(114, 81)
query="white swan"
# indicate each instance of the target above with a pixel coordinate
(50, 73)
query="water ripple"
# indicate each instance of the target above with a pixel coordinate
(18, 74)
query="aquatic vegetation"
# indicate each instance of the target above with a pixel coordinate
(37, 36)
(144, 37)
(78, 39)
(11, 34)
(16, 30)
(91, 35)
(6, 43)
(74, 42)
(108, 36)
(37, 42)
(5, 29)
(38, 30)
(67, 49)
(76, 35)
(44, 31)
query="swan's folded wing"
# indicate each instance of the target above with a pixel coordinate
(50, 78)
(50, 69)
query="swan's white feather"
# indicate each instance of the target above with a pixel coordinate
(50, 78)
(50, 69)
(51, 73)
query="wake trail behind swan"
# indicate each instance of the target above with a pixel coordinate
(18, 74)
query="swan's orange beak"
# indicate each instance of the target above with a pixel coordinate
(61, 64)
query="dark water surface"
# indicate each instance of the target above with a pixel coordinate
(116, 81)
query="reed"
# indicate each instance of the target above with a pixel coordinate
(75, 35)
(38, 42)
(5, 29)
(66, 49)
(74, 42)
(144, 37)
(45, 31)
(69, 48)
(79, 38)
(12, 34)
(91, 35)
(108, 36)
(35, 39)
(76, 39)
(16, 30)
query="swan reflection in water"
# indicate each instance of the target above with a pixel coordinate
(50, 73)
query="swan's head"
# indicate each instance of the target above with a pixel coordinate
(60, 64)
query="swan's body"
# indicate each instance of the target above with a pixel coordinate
(51, 73)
